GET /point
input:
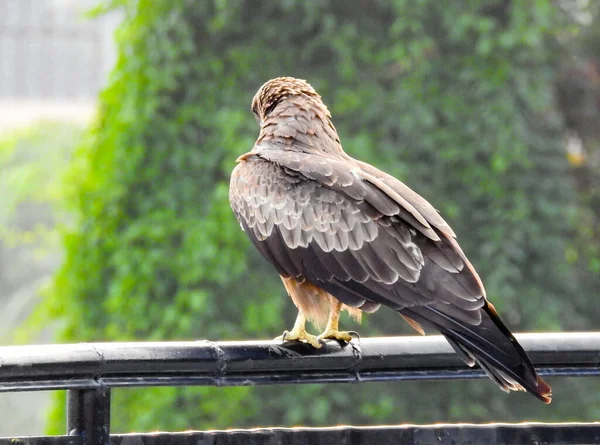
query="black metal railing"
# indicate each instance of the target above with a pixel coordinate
(89, 371)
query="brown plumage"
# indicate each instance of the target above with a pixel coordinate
(336, 228)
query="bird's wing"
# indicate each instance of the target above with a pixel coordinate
(317, 217)
(428, 212)
(367, 239)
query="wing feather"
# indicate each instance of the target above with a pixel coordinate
(356, 238)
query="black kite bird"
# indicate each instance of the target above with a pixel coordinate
(345, 235)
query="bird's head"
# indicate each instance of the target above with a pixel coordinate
(291, 111)
(278, 89)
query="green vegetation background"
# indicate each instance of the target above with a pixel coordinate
(455, 98)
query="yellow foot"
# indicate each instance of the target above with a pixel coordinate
(300, 335)
(335, 335)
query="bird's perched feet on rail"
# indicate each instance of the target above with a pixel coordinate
(298, 333)
(331, 330)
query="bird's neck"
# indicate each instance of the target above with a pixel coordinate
(303, 125)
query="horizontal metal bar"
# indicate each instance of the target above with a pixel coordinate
(44, 440)
(267, 362)
(489, 434)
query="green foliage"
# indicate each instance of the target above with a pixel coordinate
(455, 98)
(578, 90)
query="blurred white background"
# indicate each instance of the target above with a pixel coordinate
(53, 60)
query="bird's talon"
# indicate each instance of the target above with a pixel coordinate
(300, 336)
(336, 335)
(355, 334)
(283, 336)
(314, 341)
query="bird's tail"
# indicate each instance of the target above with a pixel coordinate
(490, 345)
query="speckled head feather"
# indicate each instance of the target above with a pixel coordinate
(275, 90)
(292, 113)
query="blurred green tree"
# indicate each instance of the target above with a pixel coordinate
(578, 88)
(455, 98)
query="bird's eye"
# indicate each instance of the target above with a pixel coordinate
(271, 107)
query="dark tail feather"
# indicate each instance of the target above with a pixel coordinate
(490, 345)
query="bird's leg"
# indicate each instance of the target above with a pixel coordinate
(298, 333)
(331, 330)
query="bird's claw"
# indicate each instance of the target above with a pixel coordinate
(304, 336)
(336, 335)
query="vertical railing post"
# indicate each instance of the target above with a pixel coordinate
(88, 415)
